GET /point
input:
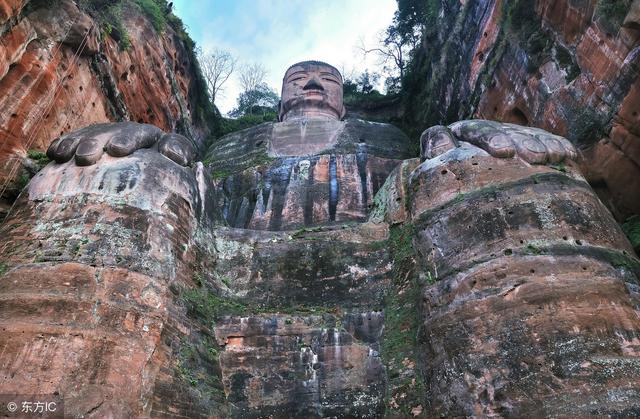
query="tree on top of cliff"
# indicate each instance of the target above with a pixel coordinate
(410, 17)
(257, 98)
(397, 43)
(261, 100)
(217, 66)
(251, 76)
(393, 48)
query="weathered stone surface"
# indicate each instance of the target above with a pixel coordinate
(390, 203)
(15, 44)
(9, 9)
(341, 266)
(90, 335)
(518, 338)
(306, 365)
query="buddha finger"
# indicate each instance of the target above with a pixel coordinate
(51, 151)
(435, 141)
(66, 148)
(570, 152)
(555, 149)
(530, 148)
(488, 135)
(178, 148)
(90, 150)
(475, 131)
(499, 145)
(128, 137)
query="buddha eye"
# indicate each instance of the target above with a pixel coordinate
(297, 76)
(331, 80)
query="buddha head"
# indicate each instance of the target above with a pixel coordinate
(311, 89)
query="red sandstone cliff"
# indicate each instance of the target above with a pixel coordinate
(59, 71)
(563, 66)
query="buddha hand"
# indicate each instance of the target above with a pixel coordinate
(533, 145)
(119, 139)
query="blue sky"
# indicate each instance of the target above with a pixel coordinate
(278, 33)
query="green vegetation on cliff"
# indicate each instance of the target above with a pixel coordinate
(205, 304)
(435, 64)
(631, 228)
(612, 13)
(525, 29)
(39, 157)
(229, 125)
(401, 324)
(109, 15)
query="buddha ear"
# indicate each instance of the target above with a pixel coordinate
(280, 111)
(343, 112)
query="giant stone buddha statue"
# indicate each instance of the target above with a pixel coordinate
(317, 267)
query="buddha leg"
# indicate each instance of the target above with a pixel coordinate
(92, 255)
(532, 311)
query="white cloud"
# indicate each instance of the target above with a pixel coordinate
(278, 33)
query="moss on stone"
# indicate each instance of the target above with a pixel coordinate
(3, 268)
(622, 260)
(401, 246)
(611, 13)
(229, 125)
(221, 168)
(220, 174)
(401, 322)
(206, 305)
(22, 181)
(197, 365)
(525, 28)
(533, 249)
(39, 157)
(561, 167)
(156, 11)
(631, 228)
(302, 232)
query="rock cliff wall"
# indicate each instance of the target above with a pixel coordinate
(567, 66)
(477, 286)
(60, 70)
(375, 284)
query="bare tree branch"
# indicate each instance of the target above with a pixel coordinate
(393, 47)
(217, 66)
(251, 75)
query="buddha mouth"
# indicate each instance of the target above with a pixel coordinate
(314, 92)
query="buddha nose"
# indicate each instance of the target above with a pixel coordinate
(314, 84)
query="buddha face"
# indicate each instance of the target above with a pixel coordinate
(311, 89)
